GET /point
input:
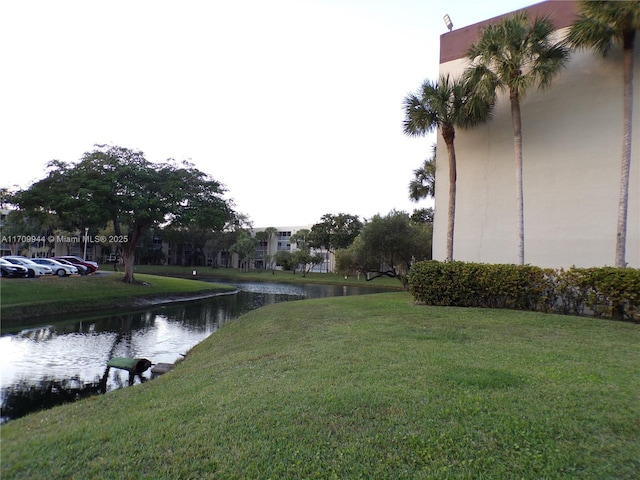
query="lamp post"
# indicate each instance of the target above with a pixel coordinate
(448, 22)
(86, 233)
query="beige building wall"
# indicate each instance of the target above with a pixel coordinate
(572, 148)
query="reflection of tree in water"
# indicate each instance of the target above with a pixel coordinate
(24, 398)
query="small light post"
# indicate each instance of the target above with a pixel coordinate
(86, 233)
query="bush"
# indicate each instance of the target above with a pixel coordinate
(606, 291)
(613, 292)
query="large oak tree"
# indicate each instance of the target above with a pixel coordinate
(118, 185)
(387, 246)
(335, 231)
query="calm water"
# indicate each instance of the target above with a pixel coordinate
(52, 364)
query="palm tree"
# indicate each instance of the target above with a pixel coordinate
(446, 104)
(265, 236)
(514, 56)
(423, 184)
(601, 25)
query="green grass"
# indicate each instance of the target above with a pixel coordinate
(267, 276)
(23, 299)
(370, 386)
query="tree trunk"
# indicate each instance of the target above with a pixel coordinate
(448, 133)
(129, 254)
(128, 257)
(517, 144)
(623, 201)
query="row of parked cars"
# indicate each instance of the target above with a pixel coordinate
(19, 266)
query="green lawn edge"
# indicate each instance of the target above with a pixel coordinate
(278, 276)
(26, 302)
(370, 386)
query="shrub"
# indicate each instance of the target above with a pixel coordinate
(613, 292)
(606, 291)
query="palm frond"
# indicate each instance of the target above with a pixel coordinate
(423, 184)
(603, 24)
(516, 55)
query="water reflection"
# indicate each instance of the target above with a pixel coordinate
(53, 364)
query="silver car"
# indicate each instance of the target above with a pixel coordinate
(58, 268)
(33, 268)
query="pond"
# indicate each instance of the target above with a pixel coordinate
(52, 364)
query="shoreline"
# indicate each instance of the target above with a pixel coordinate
(141, 302)
(15, 321)
(74, 303)
(67, 302)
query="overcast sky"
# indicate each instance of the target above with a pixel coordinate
(295, 105)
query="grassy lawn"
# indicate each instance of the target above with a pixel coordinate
(267, 276)
(23, 299)
(369, 386)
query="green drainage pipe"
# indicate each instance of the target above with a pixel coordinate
(132, 365)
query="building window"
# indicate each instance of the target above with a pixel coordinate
(284, 246)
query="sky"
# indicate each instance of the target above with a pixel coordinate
(294, 105)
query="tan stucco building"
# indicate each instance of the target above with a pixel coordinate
(572, 149)
(281, 240)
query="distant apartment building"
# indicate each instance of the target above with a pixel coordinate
(4, 247)
(281, 240)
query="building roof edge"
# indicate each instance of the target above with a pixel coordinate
(455, 44)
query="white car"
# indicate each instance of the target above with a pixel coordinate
(58, 268)
(33, 268)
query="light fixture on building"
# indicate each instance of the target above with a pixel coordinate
(448, 22)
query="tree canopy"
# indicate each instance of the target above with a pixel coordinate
(422, 215)
(119, 185)
(302, 255)
(245, 247)
(387, 246)
(335, 231)
(423, 184)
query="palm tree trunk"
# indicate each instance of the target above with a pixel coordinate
(517, 144)
(448, 133)
(623, 202)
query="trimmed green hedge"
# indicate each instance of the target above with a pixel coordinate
(605, 291)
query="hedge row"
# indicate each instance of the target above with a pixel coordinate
(605, 291)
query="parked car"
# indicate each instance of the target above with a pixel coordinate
(8, 269)
(82, 270)
(58, 268)
(92, 266)
(33, 269)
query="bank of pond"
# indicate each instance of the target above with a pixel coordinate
(66, 360)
